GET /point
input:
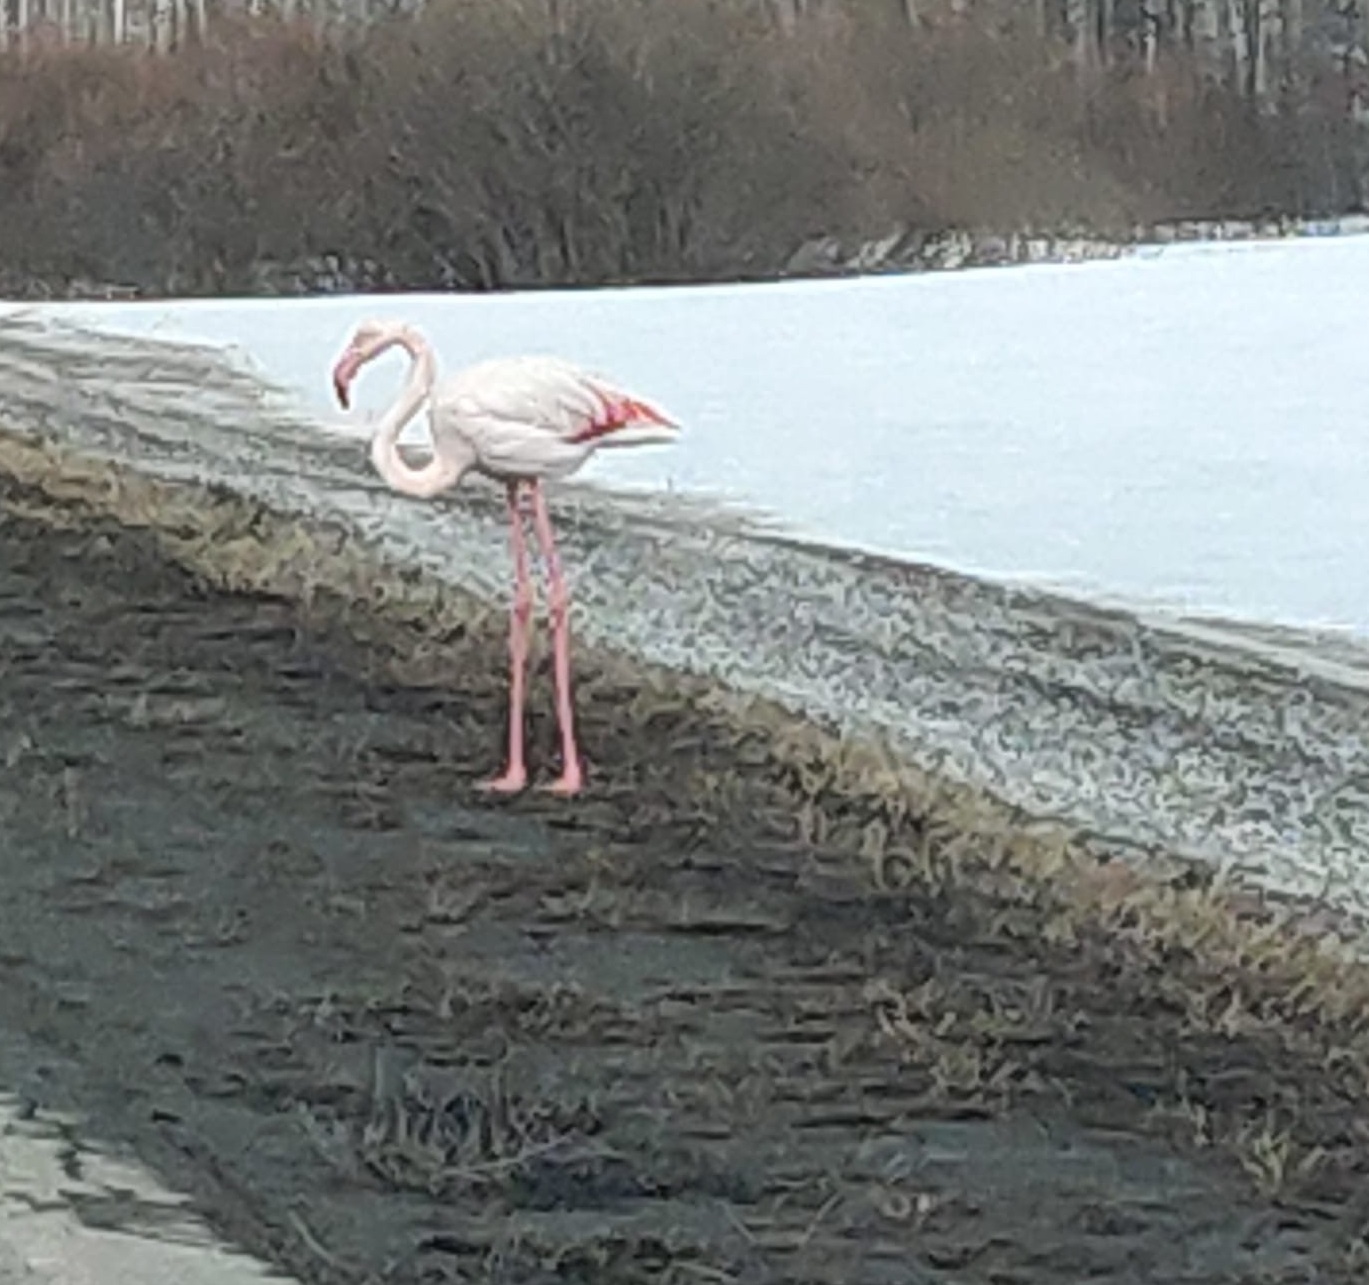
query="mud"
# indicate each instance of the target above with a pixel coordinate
(257, 923)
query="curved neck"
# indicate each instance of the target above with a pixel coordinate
(443, 470)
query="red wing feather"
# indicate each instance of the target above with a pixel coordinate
(619, 412)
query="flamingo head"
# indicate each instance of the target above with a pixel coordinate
(368, 341)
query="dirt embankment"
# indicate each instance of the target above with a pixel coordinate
(387, 1031)
(1243, 755)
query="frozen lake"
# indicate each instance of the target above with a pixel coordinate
(1182, 429)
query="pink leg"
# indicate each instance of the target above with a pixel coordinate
(572, 778)
(515, 775)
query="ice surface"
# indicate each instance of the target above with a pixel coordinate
(1179, 428)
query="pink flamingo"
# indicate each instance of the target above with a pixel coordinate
(518, 420)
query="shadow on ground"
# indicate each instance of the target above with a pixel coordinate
(384, 1031)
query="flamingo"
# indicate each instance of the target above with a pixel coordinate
(519, 420)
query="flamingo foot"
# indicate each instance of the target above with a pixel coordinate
(512, 781)
(567, 785)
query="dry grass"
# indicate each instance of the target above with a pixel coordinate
(485, 145)
(1228, 986)
(1239, 962)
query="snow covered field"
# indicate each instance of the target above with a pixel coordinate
(1143, 732)
(1182, 428)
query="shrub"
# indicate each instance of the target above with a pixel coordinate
(528, 142)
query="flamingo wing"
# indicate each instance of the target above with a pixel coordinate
(553, 396)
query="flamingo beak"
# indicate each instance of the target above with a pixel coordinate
(343, 374)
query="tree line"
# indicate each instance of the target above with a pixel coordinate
(183, 145)
(1269, 50)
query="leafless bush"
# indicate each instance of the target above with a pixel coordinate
(628, 140)
(484, 145)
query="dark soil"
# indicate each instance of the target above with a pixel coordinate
(387, 1031)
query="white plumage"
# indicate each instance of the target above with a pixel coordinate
(536, 416)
